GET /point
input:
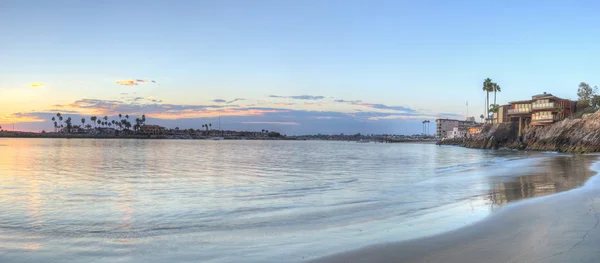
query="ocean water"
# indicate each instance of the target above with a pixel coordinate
(250, 201)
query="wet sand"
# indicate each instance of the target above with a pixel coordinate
(562, 227)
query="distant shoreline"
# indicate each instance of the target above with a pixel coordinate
(51, 135)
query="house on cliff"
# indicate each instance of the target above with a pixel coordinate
(543, 109)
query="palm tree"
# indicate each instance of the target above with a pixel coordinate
(210, 125)
(99, 122)
(481, 117)
(60, 118)
(495, 88)
(126, 116)
(82, 122)
(69, 126)
(120, 115)
(93, 119)
(54, 120)
(487, 87)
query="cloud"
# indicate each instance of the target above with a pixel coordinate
(376, 105)
(234, 100)
(307, 104)
(301, 97)
(227, 102)
(348, 101)
(20, 117)
(132, 82)
(36, 85)
(271, 122)
(153, 107)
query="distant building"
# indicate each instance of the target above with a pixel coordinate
(443, 126)
(456, 133)
(103, 131)
(152, 130)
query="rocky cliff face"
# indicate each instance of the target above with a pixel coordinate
(571, 135)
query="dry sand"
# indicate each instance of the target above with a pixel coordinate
(557, 228)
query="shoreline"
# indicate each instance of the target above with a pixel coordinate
(28, 135)
(561, 227)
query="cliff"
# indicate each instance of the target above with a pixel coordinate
(570, 135)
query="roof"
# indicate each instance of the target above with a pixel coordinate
(520, 101)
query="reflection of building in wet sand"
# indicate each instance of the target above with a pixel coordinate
(558, 174)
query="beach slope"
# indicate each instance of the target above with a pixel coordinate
(557, 228)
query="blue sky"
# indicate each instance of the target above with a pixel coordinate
(420, 59)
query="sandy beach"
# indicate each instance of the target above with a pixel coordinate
(558, 228)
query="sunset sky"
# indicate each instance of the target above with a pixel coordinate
(296, 67)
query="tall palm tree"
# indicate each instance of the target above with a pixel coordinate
(54, 120)
(481, 117)
(99, 122)
(93, 119)
(495, 88)
(82, 122)
(210, 125)
(487, 87)
(59, 117)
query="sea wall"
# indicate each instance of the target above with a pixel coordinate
(570, 135)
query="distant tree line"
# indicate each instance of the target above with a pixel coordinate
(122, 124)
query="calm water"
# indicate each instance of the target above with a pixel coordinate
(249, 201)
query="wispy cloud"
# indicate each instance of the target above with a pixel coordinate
(36, 85)
(153, 107)
(301, 97)
(227, 102)
(132, 82)
(20, 117)
(271, 122)
(348, 101)
(376, 105)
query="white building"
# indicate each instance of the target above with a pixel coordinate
(443, 127)
(456, 133)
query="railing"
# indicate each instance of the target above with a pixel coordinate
(517, 111)
(535, 118)
(537, 106)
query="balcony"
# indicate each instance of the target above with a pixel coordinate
(519, 111)
(542, 106)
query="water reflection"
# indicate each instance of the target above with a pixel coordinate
(235, 201)
(551, 175)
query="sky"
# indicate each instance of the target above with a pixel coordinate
(296, 67)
